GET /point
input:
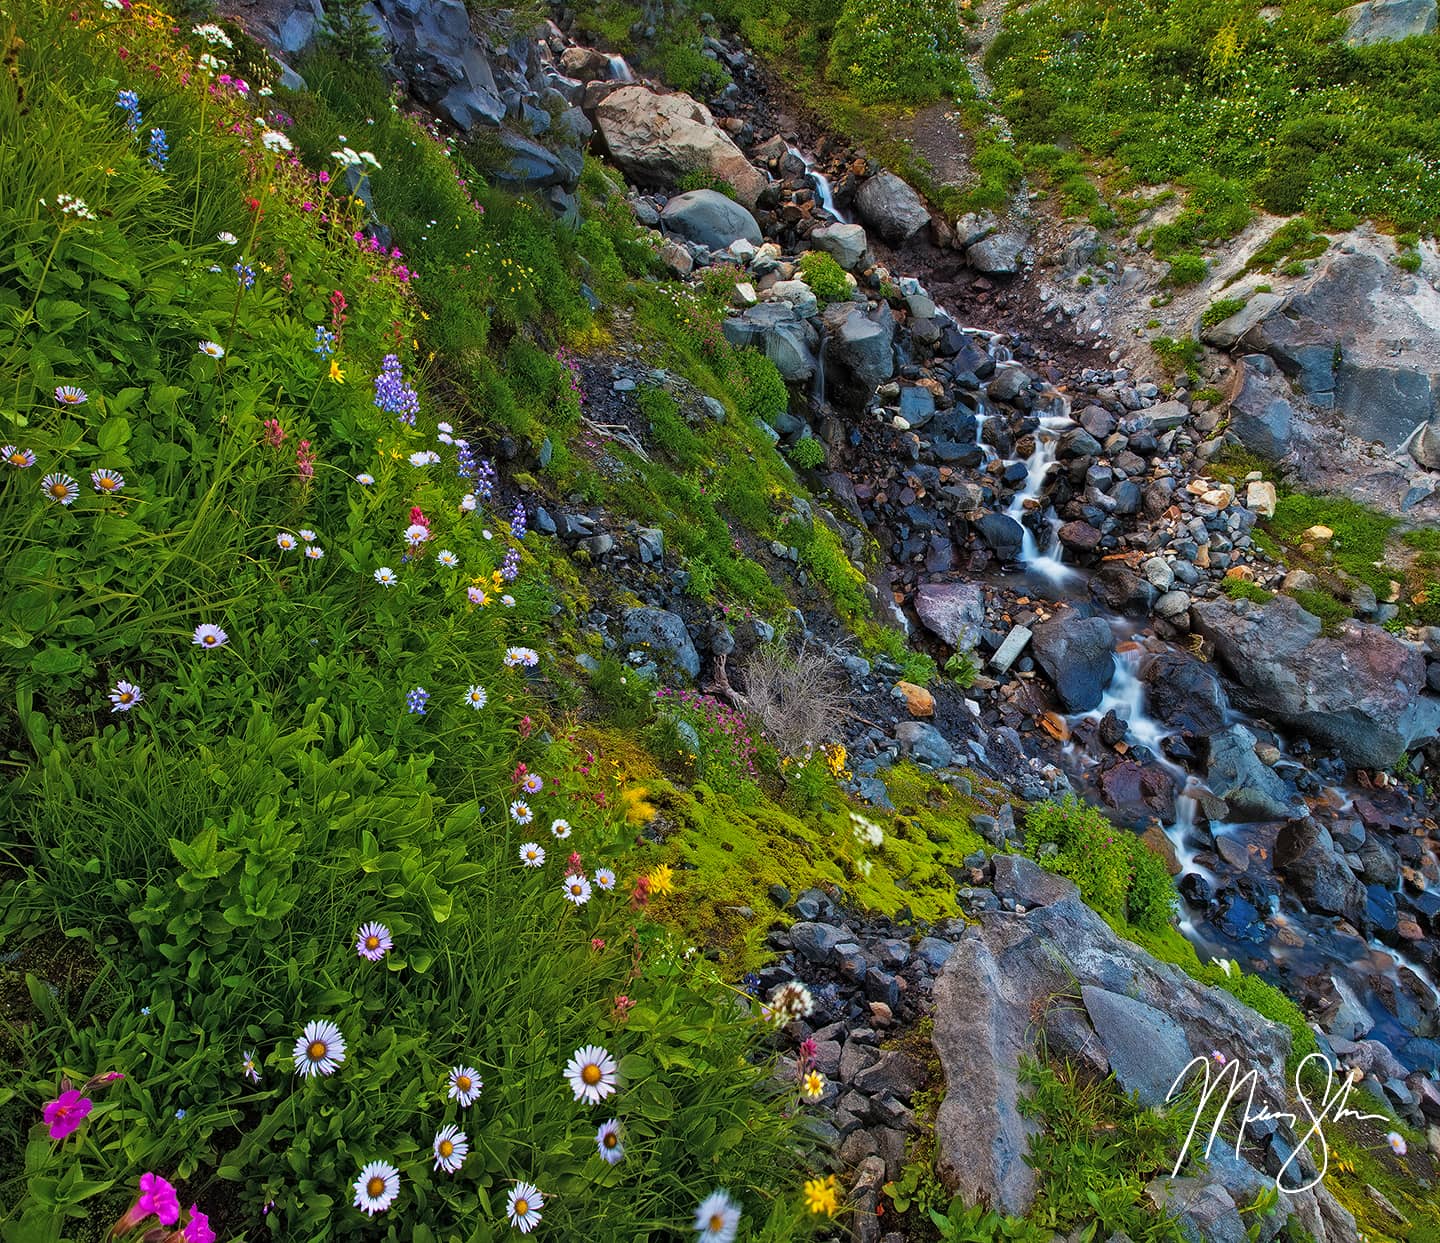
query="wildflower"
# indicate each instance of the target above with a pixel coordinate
(510, 568)
(274, 433)
(179, 1115)
(508, 601)
(324, 341)
(467, 503)
(447, 558)
(718, 1218)
(69, 205)
(607, 1140)
(465, 1085)
(20, 459)
(320, 1049)
(105, 480)
(156, 1197)
(812, 1085)
(158, 151)
(477, 596)
(373, 942)
(248, 1067)
(573, 864)
(662, 879)
(212, 34)
(244, 274)
(476, 697)
(822, 1195)
(866, 831)
(532, 854)
(275, 142)
(518, 525)
(518, 656)
(604, 879)
(212, 349)
(377, 1187)
(451, 1148)
(124, 696)
(1396, 1142)
(385, 576)
(561, 828)
(416, 534)
(415, 701)
(197, 1229)
(304, 460)
(640, 895)
(69, 395)
(520, 812)
(622, 1007)
(60, 487)
(576, 889)
(65, 1114)
(533, 783)
(791, 1000)
(286, 541)
(336, 375)
(129, 103)
(314, 552)
(591, 1073)
(1218, 1058)
(365, 479)
(392, 394)
(523, 1206)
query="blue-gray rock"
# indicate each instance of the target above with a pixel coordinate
(710, 219)
(1305, 855)
(845, 243)
(891, 207)
(924, 744)
(861, 342)
(917, 405)
(1204, 1210)
(1251, 790)
(1386, 21)
(665, 635)
(652, 544)
(1003, 535)
(997, 254)
(817, 942)
(443, 60)
(1260, 411)
(952, 612)
(774, 329)
(1146, 1047)
(1078, 656)
(875, 792)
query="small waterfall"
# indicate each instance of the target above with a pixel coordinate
(620, 70)
(817, 381)
(1041, 561)
(823, 190)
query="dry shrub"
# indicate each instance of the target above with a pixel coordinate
(797, 697)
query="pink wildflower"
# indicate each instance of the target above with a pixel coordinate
(65, 1114)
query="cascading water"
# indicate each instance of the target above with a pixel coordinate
(620, 70)
(823, 190)
(1041, 561)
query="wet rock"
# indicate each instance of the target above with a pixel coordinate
(1261, 415)
(924, 743)
(1078, 656)
(1080, 536)
(1250, 789)
(1358, 691)
(892, 208)
(1003, 534)
(1306, 856)
(1118, 589)
(952, 612)
(817, 942)
(710, 219)
(1185, 694)
(1138, 793)
(664, 634)
(862, 342)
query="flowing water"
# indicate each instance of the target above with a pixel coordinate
(620, 70)
(823, 190)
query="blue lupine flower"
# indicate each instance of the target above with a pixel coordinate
(750, 982)
(518, 523)
(415, 701)
(129, 101)
(393, 395)
(245, 274)
(510, 569)
(159, 150)
(324, 341)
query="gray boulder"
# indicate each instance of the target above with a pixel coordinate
(1145, 1046)
(774, 329)
(711, 219)
(1385, 21)
(1078, 656)
(1227, 332)
(1359, 691)
(924, 744)
(1185, 694)
(666, 637)
(1306, 855)
(997, 254)
(845, 243)
(1004, 536)
(1260, 411)
(892, 208)
(952, 612)
(862, 342)
(530, 166)
(1250, 789)
(444, 61)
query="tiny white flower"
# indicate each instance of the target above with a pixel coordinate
(385, 576)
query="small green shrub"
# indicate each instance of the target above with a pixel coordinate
(898, 51)
(1187, 269)
(1178, 354)
(808, 453)
(1241, 589)
(703, 179)
(824, 276)
(1323, 605)
(1216, 312)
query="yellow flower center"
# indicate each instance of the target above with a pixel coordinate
(717, 1222)
(372, 942)
(446, 1148)
(58, 489)
(106, 482)
(126, 697)
(522, 1207)
(374, 1187)
(611, 1139)
(463, 1083)
(591, 1074)
(316, 1051)
(17, 459)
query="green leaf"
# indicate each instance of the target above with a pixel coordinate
(56, 660)
(113, 434)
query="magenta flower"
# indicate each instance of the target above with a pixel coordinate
(65, 1114)
(197, 1229)
(157, 1197)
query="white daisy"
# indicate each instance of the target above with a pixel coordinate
(212, 349)
(604, 879)
(607, 1140)
(60, 487)
(520, 812)
(385, 576)
(420, 457)
(320, 1049)
(447, 558)
(476, 697)
(377, 1187)
(445, 438)
(718, 1218)
(207, 635)
(468, 502)
(561, 828)
(444, 427)
(591, 1073)
(451, 1148)
(228, 238)
(365, 477)
(416, 534)
(308, 535)
(374, 942)
(508, 600)
(1397, 1143)
(314, 552)
(532, 854)
(576, 889)
(125, 696)
(523, 1206)
(286, 541)
(465, 1085)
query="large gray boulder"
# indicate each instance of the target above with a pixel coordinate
(1078, 656)
(1003, 535)
(1057, 974)
(892, 208)
(845, 243)
(1307, 857)
(1236, 774)
(1359, 691)
(952, 612)
(444, 61)
(780, 334)
(1385, 21)
(1362, 337)
(1185, 693)
(998, 254)
(1260, 411)
(664, 636)
(658, 139)
(710, 219)
(862, 342)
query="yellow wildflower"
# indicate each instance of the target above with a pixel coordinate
(812, 1085)
(822, 1195)
(335, 373)
(662, 880)
(638, 809)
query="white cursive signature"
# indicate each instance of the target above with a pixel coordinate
(1332, 1107)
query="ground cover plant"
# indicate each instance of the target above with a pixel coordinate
(313, 915)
